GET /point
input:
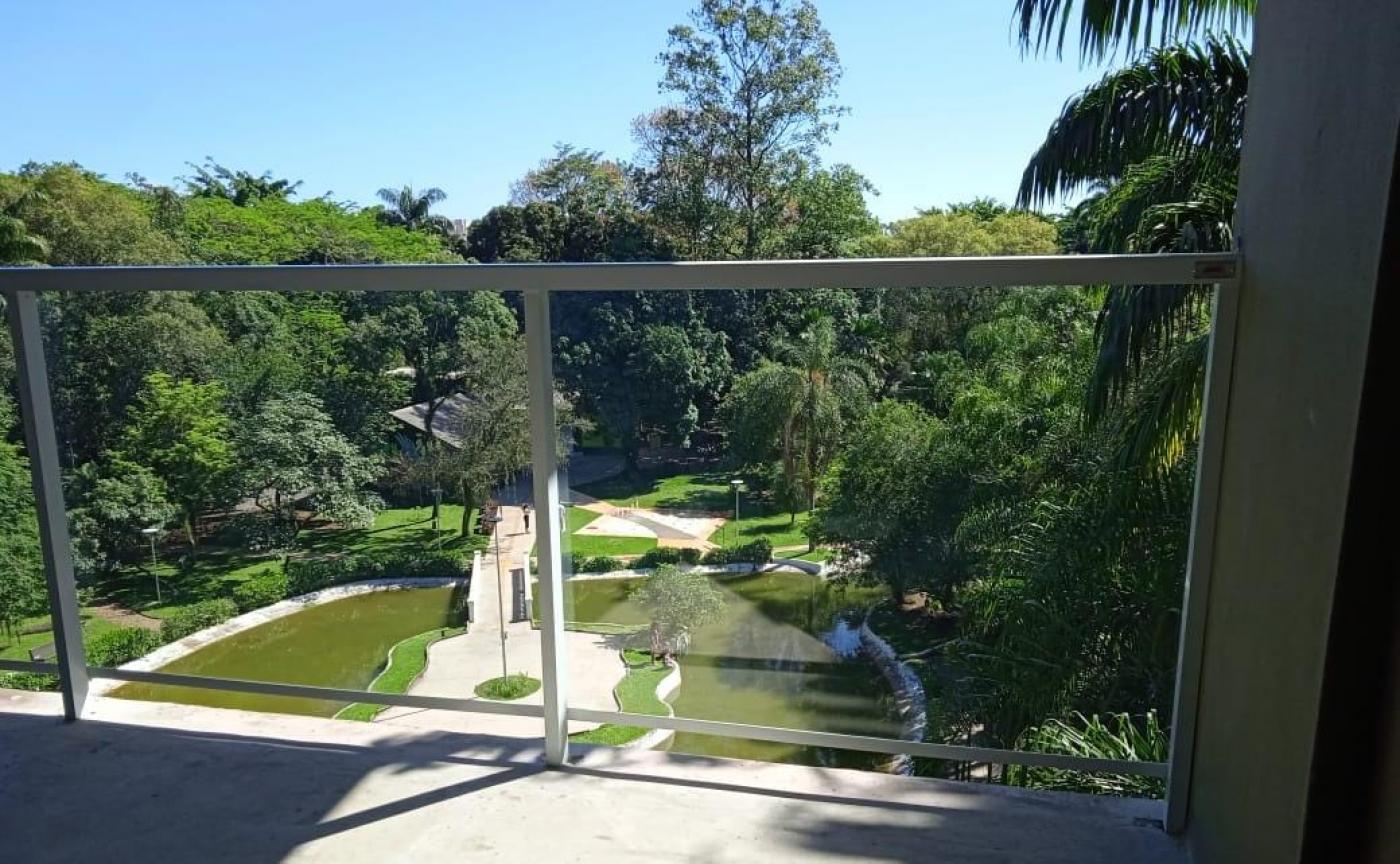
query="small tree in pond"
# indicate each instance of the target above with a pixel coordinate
(678, 602)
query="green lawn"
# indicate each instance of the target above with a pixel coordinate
(636, 694)
(514, 686)
(708, 492)
(594, 545)
(17, 648)
(819, 554)
(407, 660)
(217, 569)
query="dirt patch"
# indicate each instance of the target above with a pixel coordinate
(123, 617)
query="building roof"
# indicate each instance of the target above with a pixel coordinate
(450, 421)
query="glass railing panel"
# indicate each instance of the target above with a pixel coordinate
(894, 513)
(298, 488)
(26, 628)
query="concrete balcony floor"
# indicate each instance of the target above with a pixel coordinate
(148, 782)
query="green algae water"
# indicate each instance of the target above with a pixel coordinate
(343, 643)
(786, 653)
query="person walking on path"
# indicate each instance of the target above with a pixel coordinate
(525, 511)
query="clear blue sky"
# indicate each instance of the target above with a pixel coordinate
(350, 96)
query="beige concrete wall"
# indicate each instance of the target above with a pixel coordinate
(1320, 139)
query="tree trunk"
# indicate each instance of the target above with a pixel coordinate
(189, 532)
(467, 503)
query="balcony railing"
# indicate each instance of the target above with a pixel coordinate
(538, 282)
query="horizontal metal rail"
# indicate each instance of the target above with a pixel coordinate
(1030, 270)
(332, 694)
(29, 666)
(870, 744)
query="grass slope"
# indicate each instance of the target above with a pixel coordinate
(636, 694)
(406, 662)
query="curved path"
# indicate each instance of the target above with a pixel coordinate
(457, 665)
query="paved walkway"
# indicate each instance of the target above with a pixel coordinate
(457, 665)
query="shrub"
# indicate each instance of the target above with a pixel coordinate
(1119, 736)
(115, 647)
(760, 551)
(667, 555)
(28, 681)
(600, 564)
(259, 532)
(262, 589)
(196, 617)
(305, 575)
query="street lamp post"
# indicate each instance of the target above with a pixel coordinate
(151, 535)
(737, 484)
(437, 516)
(495, 522)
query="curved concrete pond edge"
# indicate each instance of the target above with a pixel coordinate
(910, 700)
(248, 620)
(665, 689)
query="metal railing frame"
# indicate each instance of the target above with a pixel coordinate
(21, 287)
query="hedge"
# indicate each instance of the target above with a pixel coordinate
(262, 589)
(653, 558)
(115, 647)
(759, 551)
(28, 681)
(196, 617)
(599, 564)
(312, 574)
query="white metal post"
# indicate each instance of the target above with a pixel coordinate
(544, 456)
(1200, 553)
(42, 443)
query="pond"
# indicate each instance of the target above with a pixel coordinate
(338, 644)
(784, 654)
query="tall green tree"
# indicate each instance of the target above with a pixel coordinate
(797, 408)
(412, 209)
(110, 504)
(1161, 139)
(178, 429)
(489, 430)
(84, 218)
(17, 245)
(579, 182)
(212, 180)
(22, 591)
(295, 465)
(755, 85)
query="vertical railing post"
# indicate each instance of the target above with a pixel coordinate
(544, 456)
(41, 441)
(1200, 552)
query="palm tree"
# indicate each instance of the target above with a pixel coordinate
(1105, 25)
(17, 245)
(798, 405)
(1159, 143)
(410, 209)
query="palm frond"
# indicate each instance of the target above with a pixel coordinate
(1182, 100)
(1164, 420)
(1135, 323)
(1106, 25)
(1166, 203)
